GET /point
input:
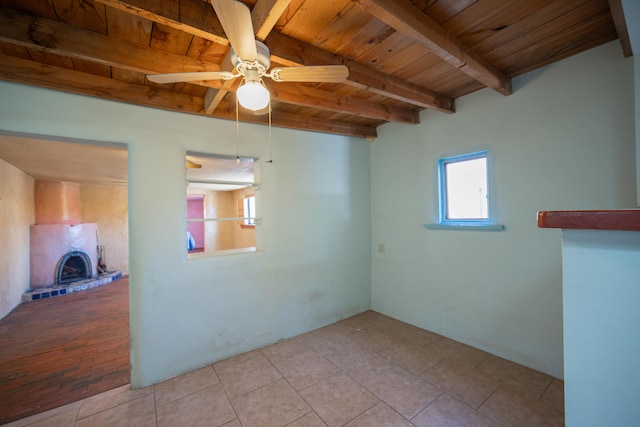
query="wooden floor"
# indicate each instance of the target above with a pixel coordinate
(64, 349)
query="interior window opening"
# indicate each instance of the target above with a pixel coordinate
(221, 204)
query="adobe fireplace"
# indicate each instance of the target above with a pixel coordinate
(63, 248)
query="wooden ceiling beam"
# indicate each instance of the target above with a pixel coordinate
(306, 96)
(289, 50)
(265, 15)
(36, 74)
(409, 20)
(46, 35)
(621, 26)
(63, 79)
(294, 121)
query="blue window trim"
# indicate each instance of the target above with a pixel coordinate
(462, 224)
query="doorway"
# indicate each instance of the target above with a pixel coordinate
(94, 345)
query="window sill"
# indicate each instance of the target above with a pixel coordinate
(465, 227)
(224, 252)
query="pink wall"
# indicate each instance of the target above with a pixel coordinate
(195, 209)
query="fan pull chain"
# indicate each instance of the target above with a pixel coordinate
(237, 134)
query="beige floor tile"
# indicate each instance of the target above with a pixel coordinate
(458, 352)
(108, 393)
(305, 369)
(467, 385)
(380, 415)
(328, 342)
(360, 364)
(403, 391)
(208, 407)
(310, 420)
(338, 399)
(185, 384)
(64, 419)
(246, 372)
(412, 334)
(520, 379)
(449, 412)
(363, 321)
(416, 359)
(343, 328)
(33, 419)
(140, 412)
(275, 404)
(511, 410)
(284, 349)
(374, 339)
(242, 362)
(234, 423)
(104, 401)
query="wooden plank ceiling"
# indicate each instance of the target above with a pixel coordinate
(403, 56)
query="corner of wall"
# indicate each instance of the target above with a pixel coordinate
(16, 215)
(636, 84)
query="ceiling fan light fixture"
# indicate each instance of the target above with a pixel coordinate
(252, 95)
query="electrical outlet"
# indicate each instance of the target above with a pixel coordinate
(381, 248)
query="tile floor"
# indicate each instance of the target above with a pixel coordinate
(368, 370)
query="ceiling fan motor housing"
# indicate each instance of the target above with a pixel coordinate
(264, 58)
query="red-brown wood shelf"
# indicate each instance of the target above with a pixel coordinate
(619, 219)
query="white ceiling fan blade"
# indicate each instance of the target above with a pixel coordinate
(190, 77)
(316, 73)
(235, 18)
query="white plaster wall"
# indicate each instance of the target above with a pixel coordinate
(106, 205)
(313, 266)
(16, 214)
(563, 140)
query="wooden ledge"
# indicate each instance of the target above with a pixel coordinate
(619, 219)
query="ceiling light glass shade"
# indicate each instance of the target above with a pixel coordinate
(253, 95)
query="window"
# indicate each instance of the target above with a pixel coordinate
(463, 188)
(221, 205)
(464, 192)
(247, 211)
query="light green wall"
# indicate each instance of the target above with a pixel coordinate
(16, 215)
(563, 140)
(313, 267)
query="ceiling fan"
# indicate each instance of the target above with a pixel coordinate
(251, 59)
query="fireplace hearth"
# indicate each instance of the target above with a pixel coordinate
(71, 287)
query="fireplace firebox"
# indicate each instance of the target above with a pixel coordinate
(73, 266)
